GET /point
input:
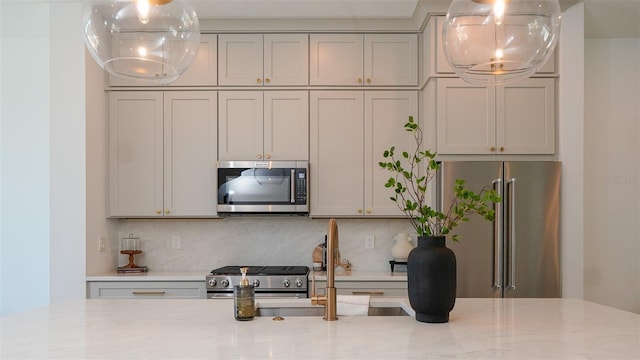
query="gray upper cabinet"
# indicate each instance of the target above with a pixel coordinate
(363, 60)
(263, 59)
(203, 71)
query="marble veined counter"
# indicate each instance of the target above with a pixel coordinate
(206, 329)
(152, 276)
(192, 275)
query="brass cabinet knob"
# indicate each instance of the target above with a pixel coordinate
(492, 149)
(158, 212)
(501, 148)
(267, 80)
(368, 211)
(368, 81)
(259, 156)
(359, 80)
(259, 81)
(167, 211)
(359, 211)
(267, 156)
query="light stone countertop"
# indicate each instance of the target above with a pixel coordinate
(341, 275)
(198, 275)
(206, 329)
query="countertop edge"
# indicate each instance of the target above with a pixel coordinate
(151, 276)
(199, 275)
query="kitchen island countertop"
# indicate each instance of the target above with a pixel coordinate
(199, 329)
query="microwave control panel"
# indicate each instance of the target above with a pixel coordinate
(301, 186)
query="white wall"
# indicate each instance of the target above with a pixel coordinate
(97, 173)
(42, 156)
(612, 172)
(67, 153)
(24, 155)
(571, 150)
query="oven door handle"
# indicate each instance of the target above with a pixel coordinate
(293, 186)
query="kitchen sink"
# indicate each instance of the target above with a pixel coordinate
(319, 311)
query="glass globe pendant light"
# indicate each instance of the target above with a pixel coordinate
(492, 42)
(148, 41)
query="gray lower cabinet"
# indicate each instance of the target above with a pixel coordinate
(147, 290)
(373, 288)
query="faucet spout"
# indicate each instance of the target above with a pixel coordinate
(329, 297)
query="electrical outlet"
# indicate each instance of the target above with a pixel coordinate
(102, 246)
(176, 242)
(369, 242)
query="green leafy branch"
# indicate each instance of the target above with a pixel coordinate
(410, 186)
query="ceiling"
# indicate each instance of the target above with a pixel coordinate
(612, 18)
(401, 9)
(603, 18)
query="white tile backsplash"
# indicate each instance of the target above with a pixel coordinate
(271, 240)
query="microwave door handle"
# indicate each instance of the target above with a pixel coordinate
(293, 186)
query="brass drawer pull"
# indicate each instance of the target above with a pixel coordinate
(367, 292)
(148, 292)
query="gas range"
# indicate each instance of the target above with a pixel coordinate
(268, 281)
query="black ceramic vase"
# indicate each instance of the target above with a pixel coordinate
(431, 276)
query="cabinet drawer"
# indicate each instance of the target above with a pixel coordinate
(148, 290)
(373, 291)
(373, 288)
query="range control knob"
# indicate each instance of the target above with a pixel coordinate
(212, 282)
(299, 283)
(286, 283)
(256, 283)
(225, 282)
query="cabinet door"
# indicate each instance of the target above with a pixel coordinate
(465, 118)
(203, 71)
(336, 146)
(240, 125)
(286, 125)
(442, 65)
(550, 66)
(240, 59)
(391, 59)
(335, 59)
(190, 153)
(385, 113)
(135, 153)
(130, 42)
(525, 117)
(286, 59)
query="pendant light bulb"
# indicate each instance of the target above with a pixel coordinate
(498, 11)
(493, 42)
(143, 11)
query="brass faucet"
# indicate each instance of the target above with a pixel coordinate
(329, 297)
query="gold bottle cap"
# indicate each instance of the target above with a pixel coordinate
(244, 281)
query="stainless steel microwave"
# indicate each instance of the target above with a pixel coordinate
(263, 187)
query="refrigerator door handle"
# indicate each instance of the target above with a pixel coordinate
(498, 257)
(511, 223)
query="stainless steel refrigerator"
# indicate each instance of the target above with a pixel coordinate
(518, 254)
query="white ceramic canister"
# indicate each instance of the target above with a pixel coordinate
(402, 246)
